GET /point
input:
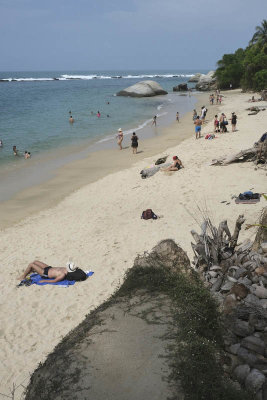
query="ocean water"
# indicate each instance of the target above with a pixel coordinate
(35, 108)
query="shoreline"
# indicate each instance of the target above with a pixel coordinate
(88, 168)
(99, 226)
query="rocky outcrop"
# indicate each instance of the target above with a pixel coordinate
(180, 88)
(143, 89)
(195, 78)
(206, 82)
(238, 280)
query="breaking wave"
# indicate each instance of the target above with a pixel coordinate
(89, 77)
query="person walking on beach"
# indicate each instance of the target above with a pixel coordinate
(198, 124)
(120, 138)
(222, 123)
(177, 117)
(194, 115)
(154, 122)
(45, 271)
(134, 140)
(233, 121)
(71, 120)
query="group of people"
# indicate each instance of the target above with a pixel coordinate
(220, 122)
(27, 154)
(134, 140)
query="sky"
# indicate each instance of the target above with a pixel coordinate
(123, 34)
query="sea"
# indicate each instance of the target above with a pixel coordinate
(35, 109)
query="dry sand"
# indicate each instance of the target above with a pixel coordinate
(99, 226)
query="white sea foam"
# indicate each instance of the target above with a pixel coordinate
(66, 77)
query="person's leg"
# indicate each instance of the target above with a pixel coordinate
(36, 266)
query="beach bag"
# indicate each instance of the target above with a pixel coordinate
(77, 275)
(148, 214)
(225, 122)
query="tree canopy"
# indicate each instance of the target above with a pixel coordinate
(246, 68)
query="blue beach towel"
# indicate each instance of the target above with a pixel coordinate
(36, 278)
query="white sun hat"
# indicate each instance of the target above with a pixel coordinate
(71, 267)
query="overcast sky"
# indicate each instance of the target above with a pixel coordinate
(123, 34)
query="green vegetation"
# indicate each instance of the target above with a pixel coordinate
(196, 358)
(246, 68)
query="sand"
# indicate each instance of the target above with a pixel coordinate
(99, 226)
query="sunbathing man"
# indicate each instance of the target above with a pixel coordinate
(177, 164)
(58, 273)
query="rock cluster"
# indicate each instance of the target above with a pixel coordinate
(180, 88)
(204, 82)
(143, 89)
(239, 283)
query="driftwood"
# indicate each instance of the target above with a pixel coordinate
(214, 245)
(258, 154)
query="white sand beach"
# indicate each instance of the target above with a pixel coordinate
(99, 226)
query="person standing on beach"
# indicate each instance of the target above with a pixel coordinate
(154, 122)
(198, 124)
(177, 117)
(233, 121)
(120, 138)
(71, 120)
(98, 114)
(134, 140)
(1, 143)
(194, 115)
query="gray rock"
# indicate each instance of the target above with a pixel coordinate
(240, 272)
(195, 78)
(260, 292)
(234, 348)
(143, 89)
(245, 281)
(252, 300)
(259, 395)
(263, 303)
(254, 381)
(206, 82)
(253, 343)
(180, 88)
(227, 286)
(264, 247)
(242, 328)
(217, 285)
(241, 372)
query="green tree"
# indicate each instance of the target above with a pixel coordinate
(260, 36)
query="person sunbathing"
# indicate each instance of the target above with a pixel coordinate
(45, 271)
(177, 164)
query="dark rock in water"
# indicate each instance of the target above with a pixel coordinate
(143, 89)
(180, 88)
(55, 79)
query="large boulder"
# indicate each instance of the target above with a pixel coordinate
(180, 88)
(143, 89)
(206, 82)
(195, 78)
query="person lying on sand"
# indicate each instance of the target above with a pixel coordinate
(45, 271)
(177, 164)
